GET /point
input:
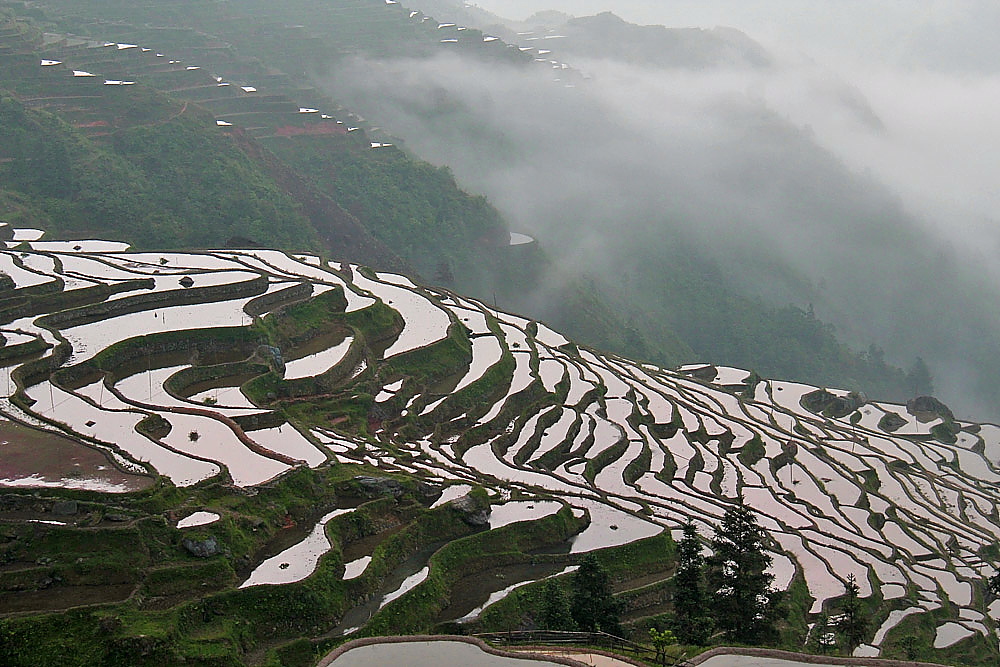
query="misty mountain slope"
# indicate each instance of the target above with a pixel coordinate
(294, 35)
(452, 238)
(448, 123)
(608, 36)
(499, 142)
(58, 178)
(594, 200)
(557, 35)
(701, 154)
(397, 391)
(651, 321)
(325, 163)
(86, 151)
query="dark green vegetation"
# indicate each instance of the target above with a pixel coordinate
(627, 583)
(555, 612)
(853, 623)
(743, 603)
(319, 184)
(57, 179)
(692, 619)
(593, 608)
(156, 603)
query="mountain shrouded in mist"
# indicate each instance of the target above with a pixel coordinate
(842, 192)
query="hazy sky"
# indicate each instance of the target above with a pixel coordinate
(941, 33)
(929, 70)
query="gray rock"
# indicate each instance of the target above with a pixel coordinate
(428, 492)
(271, 357)
(927, 408)
(474, 511)
(65, 507)
(379, 486)
(117, 517)
(205, 548)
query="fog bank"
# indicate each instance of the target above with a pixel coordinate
(867, 192)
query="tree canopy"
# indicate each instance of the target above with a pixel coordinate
(593, 607)
(743, 602)
(692, 624)
(853, 624)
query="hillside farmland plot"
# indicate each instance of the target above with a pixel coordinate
(449, 389)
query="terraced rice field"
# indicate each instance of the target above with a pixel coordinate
(640, 449)
(192, 62)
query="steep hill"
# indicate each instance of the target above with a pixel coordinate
(85, 152)
(261, 389)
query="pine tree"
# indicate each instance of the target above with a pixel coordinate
(555, 608)
(853, 625)
(919, 377)
(743, 602)
(821, 640)
(594, 608)
(692, 624)
(994, 584)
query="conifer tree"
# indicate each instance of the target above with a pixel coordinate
(743, 603)
(920, 379)
(994, 584)
(555, 608)
(821, 639)
(853, 625)
(594, 608)
(692, 624)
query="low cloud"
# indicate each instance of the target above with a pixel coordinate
(866, 192)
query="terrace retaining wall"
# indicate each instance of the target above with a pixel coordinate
(806, 658)
(479, 643)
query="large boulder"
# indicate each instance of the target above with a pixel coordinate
(473, 508)
(373, 487)
(928, 408)
(270, 356)
(205, 548)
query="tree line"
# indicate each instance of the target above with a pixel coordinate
(727, 596)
